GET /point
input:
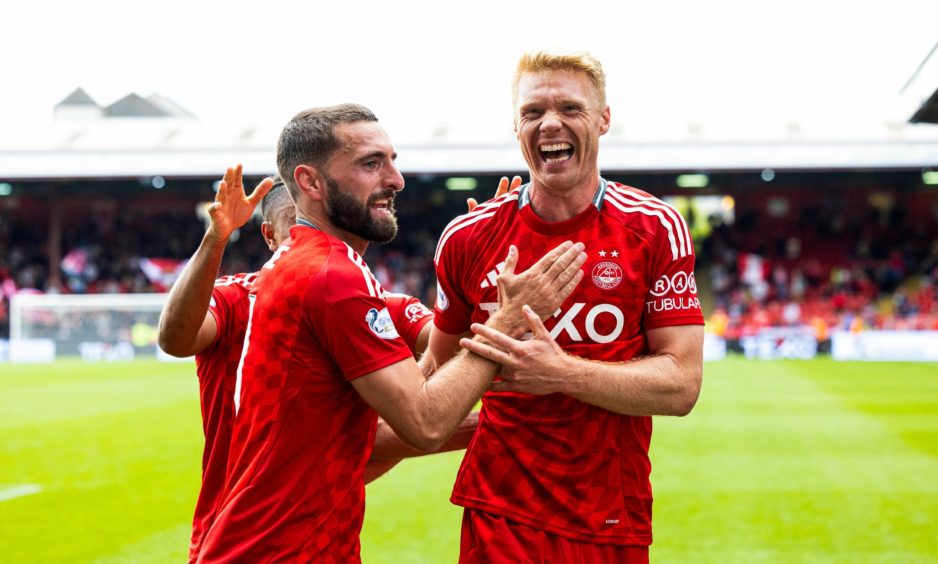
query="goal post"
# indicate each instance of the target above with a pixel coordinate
(91, 326)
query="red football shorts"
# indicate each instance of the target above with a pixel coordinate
(489, 539)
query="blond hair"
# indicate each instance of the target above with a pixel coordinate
(545, 61)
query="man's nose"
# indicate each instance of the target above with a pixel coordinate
(395, 180)
(551, 121)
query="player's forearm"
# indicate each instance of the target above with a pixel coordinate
(376, 469)
(189, 298)
(388, 446)
(447, 397)
(653, 385)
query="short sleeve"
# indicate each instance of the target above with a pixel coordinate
(409, 316)
(672, 297)
(221, 306)
(353, 321)
(452, 311)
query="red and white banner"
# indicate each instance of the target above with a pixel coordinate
(162, 272)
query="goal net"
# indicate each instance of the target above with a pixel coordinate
(92, 326)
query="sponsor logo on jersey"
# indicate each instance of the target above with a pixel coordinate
(672, 304)
(442, 301)
(680, 289)
(492, 277)
(679, 283)
(577, 320)
(415, 312)
(381, 324)
(607, 275)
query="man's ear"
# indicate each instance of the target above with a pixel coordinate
(606, 120)
(309, 181)
(267, 230)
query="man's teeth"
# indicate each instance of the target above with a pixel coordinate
(556, 147)
(556, 152)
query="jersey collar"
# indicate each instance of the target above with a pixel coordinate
(307, 223)
(524, 195)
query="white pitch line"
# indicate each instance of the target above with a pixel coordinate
(19, 491)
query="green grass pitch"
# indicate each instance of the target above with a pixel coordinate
(780, 462)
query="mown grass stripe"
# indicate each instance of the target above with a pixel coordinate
(19, 491)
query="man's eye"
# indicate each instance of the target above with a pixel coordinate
(571, 109)
(371, 165)
(532, 113)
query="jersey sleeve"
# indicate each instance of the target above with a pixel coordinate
(672, 297)
(453, 312)
(410, 316)
(221, 306)
(353, 323)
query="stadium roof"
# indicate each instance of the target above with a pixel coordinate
(77, 98)
(185, 147)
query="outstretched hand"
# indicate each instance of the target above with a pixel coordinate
(503, 188)
(534, 366)
(232, 208)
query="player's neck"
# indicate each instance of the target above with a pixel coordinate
(560, 204)
(358, 244)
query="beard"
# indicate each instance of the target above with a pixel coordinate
(346, 213)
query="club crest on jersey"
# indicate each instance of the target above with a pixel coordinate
(441, 300)
(381, 324)
(416, 311)
(607, 275)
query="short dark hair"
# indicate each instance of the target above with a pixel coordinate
(275, 200)
(309, 138)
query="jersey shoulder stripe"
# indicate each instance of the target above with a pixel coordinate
(480, 213)
(246, 280)
(629, 201)
(371, 283)
(634, 194)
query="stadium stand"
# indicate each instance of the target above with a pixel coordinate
(826, 250)
(824, 230)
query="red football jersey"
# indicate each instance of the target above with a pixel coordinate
(409, 316)
(216, 366)
(552, 462)
(302, 434)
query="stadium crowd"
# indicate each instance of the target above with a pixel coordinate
(827, 269)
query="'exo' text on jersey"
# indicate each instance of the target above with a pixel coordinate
(571, 318)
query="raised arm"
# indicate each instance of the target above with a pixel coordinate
(665, 382)
(426, 412)
(186, 327)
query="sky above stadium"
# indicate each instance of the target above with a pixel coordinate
(441, 70)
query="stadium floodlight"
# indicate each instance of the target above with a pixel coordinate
(930, 177)
(693, 180)
(461, 183)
